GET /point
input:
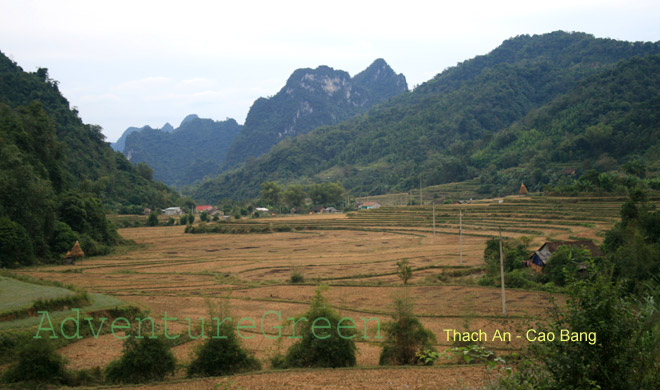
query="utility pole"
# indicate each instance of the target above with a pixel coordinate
(421, 202)
(434, 221)
(460, 236)
(502, 275)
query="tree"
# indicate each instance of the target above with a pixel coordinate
(145, 171)
(403, 270)
(321, 343)
(188, 204)
(564, 262)
(294, 196)
(143, 360)
(405, 336)
(204, 217)
(153, 219)
(15, 244)
(326, 193)
(619, 346)
(270, 193)
(222, 356)
(37, 362)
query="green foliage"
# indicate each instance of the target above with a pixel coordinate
(514, 251)
(222, 356)
(473, 354)
(319, 347)
(624, 351)
(15, 244)
(57, 174)
(406, 337)
(326, 194)
(143, 360)
(170, 221)
(145, 171)
(297, 276)
(64, 238)
(204, 217)
(403, 270)
(188, 154)
(37, 363)
(633, 245)
(294, 195)
(153, 219)
(270, 193)
(565, 262)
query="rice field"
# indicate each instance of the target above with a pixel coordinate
(355, 254)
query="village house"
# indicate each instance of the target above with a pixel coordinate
(204, 209)
(172, 211)
(539, 258)
(368, 206)
(330, 210)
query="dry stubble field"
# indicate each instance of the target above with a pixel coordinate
(181, 274)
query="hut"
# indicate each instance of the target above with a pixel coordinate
(539, 258)
(75, 253)
(523, 189)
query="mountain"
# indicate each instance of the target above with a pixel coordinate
(121, 142)
(310, 99)
(187, 154)
(454, 126)
(58, 174)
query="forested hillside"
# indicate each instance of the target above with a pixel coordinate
(194, 150)
(455, 126)
(312, 98)
(121, 142)
(58, 174)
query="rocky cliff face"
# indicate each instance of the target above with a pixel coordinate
(310, 99)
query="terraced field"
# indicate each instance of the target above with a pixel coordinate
(355, 254)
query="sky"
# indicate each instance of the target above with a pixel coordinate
(135, 63)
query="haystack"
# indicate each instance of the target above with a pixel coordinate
(523, 189)
(75, 253)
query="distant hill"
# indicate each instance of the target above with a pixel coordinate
(186, 154)
(121, 142)
(457, 126)
(310, 99)
(58, 174)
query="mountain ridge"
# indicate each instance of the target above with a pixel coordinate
(309, 99)
(434, 130)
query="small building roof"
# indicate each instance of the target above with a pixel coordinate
(367, 204)
(547, 249)
(203, 208)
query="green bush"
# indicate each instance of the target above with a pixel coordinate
(37, 363)
(619, 347)
(15, 244)
(170, 221)
(63, 238)
(320, 347)
(153, 219)
(222, 356)
(405, 336)
(296, 276)
(91, 247)
(143, 360)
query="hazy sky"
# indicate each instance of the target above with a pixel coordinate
(135, 63)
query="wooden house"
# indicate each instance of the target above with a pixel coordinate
(539, 258)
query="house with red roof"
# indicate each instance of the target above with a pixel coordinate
(204, 209)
